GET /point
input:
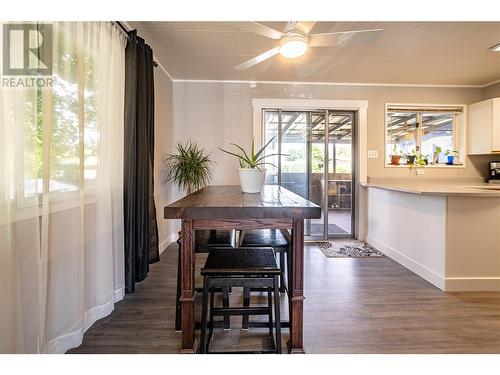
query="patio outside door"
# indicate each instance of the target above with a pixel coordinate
(317, 164)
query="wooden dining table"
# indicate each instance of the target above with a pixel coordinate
(225, 207)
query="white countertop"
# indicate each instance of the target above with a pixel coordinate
(429, 188)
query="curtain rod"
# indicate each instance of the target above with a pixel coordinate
(127, 32)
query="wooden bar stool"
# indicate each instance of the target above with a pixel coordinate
(279, 240)
(205, 240)
(247, 268)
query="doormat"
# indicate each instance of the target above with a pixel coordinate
(332, 229)
(348, 249)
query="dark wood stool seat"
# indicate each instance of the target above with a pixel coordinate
(275, 238)
(246, 268)
(279, 240)
(205, 240)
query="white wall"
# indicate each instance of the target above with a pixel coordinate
(217, 113)
(163, 142)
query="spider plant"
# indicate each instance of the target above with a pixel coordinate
(190, 168)
(252, 159)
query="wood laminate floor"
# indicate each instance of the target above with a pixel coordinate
(351, 306)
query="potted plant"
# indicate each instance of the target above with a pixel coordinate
(421, 161)
(395, 156)
(252, 175)
(410, 157)
(190, 168)
(451, 156)
(435, 154)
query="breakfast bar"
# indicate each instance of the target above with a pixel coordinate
(226, 207)
(447, 233)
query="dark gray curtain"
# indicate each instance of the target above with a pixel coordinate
(141, 230)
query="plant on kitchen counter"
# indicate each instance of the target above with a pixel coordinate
(395, 156)
(410, 157)
(451, 156)
(190, 168)
(252, 177)
(435, 154)
(421, 161)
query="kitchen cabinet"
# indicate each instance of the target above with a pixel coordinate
(483, 134)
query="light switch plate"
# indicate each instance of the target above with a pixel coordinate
(420, 171)
(372, 154)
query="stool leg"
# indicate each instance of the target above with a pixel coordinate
(178, 296)
(204, 309)
(270, 311)
(246, 303)
(277, 315)
(283, 267)
(225, 303)
(211, 324)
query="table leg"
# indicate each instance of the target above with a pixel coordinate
(296, 343)
(187, 286)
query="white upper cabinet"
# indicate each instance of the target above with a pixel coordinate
(483, 134)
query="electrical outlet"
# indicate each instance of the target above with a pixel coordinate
(420, 171)
(372, 154)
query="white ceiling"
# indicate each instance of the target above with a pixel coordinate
(434, 53)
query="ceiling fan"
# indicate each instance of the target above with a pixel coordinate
(295, 39)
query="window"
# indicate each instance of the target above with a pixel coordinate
(59, 125)
(426, 133)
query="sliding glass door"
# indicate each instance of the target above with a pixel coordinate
(340, 192)
(316, 163)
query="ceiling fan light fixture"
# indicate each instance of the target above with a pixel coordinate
(293, 46)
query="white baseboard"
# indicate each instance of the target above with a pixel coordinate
(163, 245)
(448, 284)
(424, 272)
(167, 241)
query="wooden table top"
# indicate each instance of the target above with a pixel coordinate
(228, 202)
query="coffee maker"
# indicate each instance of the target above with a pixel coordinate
(494, 172)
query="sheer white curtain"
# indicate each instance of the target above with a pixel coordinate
(61, 193)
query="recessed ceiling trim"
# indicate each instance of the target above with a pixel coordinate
(492, 83)
(333, 83)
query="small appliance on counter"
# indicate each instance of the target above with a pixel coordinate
(494, 172)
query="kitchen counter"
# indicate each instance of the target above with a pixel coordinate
(439, 188)
(444, 230)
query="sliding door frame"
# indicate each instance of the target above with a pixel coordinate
(360, 108)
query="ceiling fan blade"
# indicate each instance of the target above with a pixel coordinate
(258, 28)
(258, 59)
(306, 26)
(324, 40)
(342, 37)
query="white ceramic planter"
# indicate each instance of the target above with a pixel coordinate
(251, 179)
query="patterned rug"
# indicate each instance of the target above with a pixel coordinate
(348, 249)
